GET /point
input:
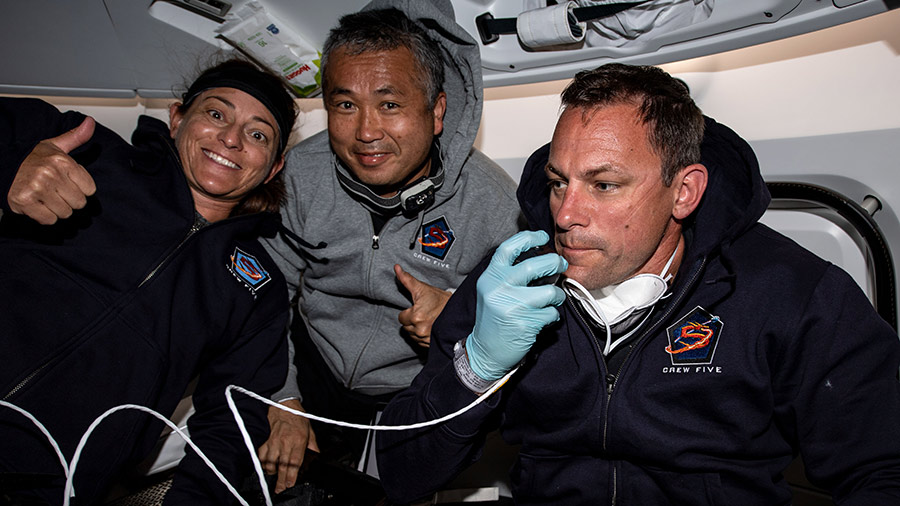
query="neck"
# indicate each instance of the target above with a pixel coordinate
(672, 242)
(212, 210)
(676, 257)
(388, 191)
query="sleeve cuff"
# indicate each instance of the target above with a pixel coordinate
(465, 373)
(290, 389)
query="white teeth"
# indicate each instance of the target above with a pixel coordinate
(218, 159)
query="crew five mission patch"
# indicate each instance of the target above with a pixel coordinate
(247, 269)
(436, 238)
(693, 339)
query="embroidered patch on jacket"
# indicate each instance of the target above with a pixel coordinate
(437, 237)
(247, 269)
(693, 339)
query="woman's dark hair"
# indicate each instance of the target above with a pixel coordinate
(270, 90)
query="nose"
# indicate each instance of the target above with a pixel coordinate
(230, 136)
(569, 210)
(368, 127)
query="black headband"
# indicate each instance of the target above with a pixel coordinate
(265, 88)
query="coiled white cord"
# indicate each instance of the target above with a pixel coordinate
(258, 467)
(69, 470)
(69, 492)
(44, 431)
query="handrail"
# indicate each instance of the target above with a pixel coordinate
(883, 281)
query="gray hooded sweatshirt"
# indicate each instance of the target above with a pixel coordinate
(349, 296)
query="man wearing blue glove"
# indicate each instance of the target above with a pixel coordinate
(509, 313)
(697, 351)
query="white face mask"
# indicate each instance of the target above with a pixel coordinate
(624, 305)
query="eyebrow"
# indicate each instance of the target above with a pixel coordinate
(384, 90)
(389, 90)
(549, 168)
(605, 168)
(232, 107)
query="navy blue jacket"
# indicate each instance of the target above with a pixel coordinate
(125, 303)
(762, 351)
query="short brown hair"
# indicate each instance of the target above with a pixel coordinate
(674, 121)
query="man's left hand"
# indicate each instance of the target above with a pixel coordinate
(428, 302)
(283, 452)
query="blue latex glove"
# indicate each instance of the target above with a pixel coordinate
(510, 314)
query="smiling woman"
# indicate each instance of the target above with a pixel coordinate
(130, 295)
(227, 143)
(236, 127)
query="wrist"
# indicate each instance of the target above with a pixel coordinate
(464, 372)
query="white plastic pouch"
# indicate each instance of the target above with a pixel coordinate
(255, 31)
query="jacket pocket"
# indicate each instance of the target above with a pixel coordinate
(547, 479)
(650, 485)
(544, 479)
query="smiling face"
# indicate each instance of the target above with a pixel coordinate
(227, 141)
(614, 216)
(380, 122)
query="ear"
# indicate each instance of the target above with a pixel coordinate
(440, 107)
(175, 118)
(691, 183)
(276, 168)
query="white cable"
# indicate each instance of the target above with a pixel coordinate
(418, 425)
(40, 426)
(249, 443)
(86, 435)
(70, 469)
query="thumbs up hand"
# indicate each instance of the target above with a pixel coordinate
(50, 184)
(428, 302)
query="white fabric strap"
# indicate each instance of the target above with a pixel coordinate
(550, 26)
(464, 371)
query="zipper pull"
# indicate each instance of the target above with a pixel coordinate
(375, 241)
(610, 383)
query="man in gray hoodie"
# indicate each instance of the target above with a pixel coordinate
(406, 206)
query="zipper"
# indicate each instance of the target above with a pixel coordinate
(610, 382)
(613, 379)
(376, 244)
(197, 225)
(193, 230)
(615, 486)
(610, 378)
(25, 381)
